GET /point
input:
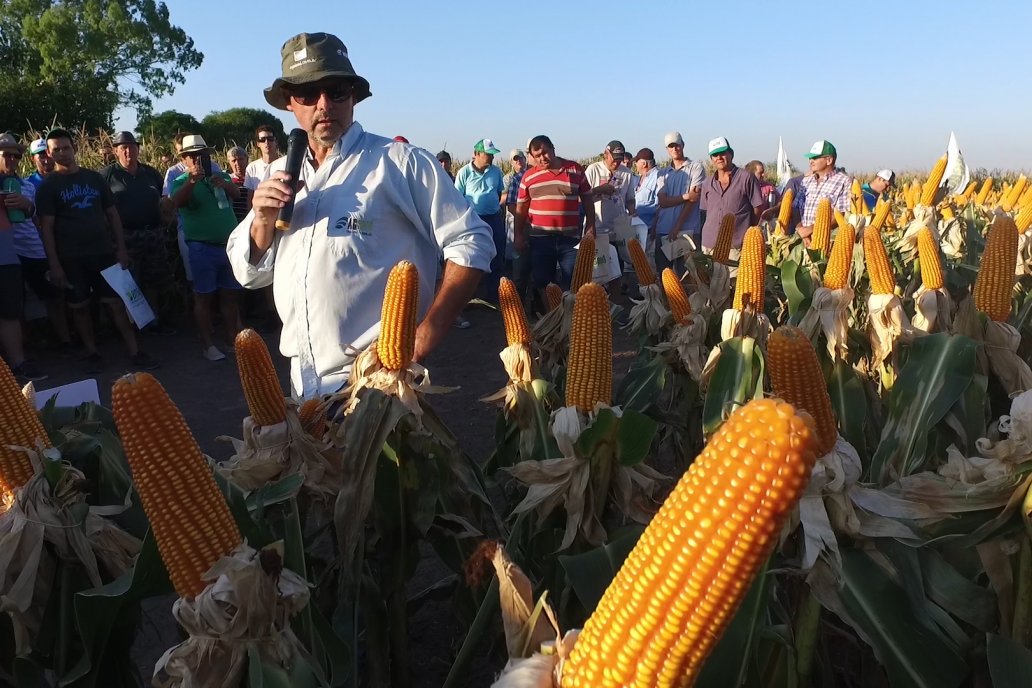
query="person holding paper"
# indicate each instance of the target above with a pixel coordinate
(678, 196)
(82, 234)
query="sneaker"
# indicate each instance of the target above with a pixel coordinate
(213, 354)
(144, 361)
(461, 323)
(94, 363)
(27, 372)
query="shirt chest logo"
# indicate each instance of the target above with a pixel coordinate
(353, 223)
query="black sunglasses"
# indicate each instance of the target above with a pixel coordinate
(266, 139)
(308, 95)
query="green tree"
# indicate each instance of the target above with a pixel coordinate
(236, 126)
(160, 127)
(75, 61)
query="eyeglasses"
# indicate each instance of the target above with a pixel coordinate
(266, 139)
(13, 156)
(308, 95)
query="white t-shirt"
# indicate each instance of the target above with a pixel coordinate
(255, 174)
(609, 207)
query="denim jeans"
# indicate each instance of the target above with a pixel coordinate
(548, 251)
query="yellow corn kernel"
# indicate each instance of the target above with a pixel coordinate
(680, 306)
(840, 263)
(983, 193)
(258, 377)
(969, 189)
(929, 260)
(752, 272)
(589, 374)
(882, 212)
(584, 265)
(1023, 220)
(725, 235)
(312, 415)
(1025, 198)
(19, 427)
(879, 270)
(517, 331)
(397, 341)
(931, 185)
(644, 272)
(553, 296)
(682, 583)
(856, 199)
(995, 280)
(188, 515)
(1012, 196)
(947, 213)
(820, 240)
(785, 212)
(796, 377)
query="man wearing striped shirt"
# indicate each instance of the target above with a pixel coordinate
(824, 181)
(553, 198)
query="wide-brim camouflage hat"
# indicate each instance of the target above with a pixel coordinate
(309, 57)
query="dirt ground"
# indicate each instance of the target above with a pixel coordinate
(209, 396)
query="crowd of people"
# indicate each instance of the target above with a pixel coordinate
(361, 203)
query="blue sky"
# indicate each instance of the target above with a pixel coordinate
(885, 82)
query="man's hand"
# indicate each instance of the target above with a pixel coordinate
(521, 242)
(694, 194)
(606, 189)
(271, 195)
(18, 202)
(57, 275)
(589, 232)
(122, 257)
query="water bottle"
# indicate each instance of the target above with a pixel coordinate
(222, 198)
(13, 185)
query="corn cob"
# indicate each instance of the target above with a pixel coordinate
(931, 263)
(856, 199)
(1023, 220)
(821, 238)
(785, 212)
(553, 296)
(1010, 199)
(589, 375)
(646, 275)
(188, 515)
(947, 213)
(931, 185)
(969, 189)
(517, 331)
(19, 427)
(584, 265)
(983, 193)
(881, 213)
(725, 235)
(312, 415)
(397, 341)
(796, 377)
(682, 583)
(680, 306)
(995, 279)
(258, 378)
(883, 281)
(752, 272)
(836, 275)
(1025, 198)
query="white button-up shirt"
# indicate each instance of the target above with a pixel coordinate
(370, 204)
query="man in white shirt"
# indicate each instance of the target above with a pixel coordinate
(268, 146)
(365, 204)
(612, 188)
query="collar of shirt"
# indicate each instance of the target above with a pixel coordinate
(714, 181)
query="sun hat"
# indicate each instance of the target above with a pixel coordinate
(485, 146)
(309, 57)
(820, 149)
(718, 145)
(194, 143)
(8, 142)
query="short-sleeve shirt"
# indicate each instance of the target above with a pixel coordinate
(137, 196)
(24, 235)
(511, 183)
(608, 208)
(678, 183)
(255, 174)
(78, 202)
(739, 198)
(482, 189)
(835, 187)
(554, 198)
(646, 195)
(203, 219)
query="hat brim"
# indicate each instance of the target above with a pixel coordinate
(13, 146)
(718, 151)
(277, 98)
(491, 151)
(196, 149)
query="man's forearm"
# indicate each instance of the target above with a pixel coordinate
(262, 235)
(184, 195)
(457, 288)
(667, 201)
(589, 218)
(46, 232)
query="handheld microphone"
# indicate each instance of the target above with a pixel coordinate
(297, 144)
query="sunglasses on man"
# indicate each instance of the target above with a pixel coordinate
(308, 94)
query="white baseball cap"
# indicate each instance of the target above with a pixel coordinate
(887, 175)
(516, 153)
(673, 137)
(718, 145)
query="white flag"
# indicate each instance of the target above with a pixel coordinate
(957, 173)
(784, 166)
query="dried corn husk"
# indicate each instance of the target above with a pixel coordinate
(829, 310)
(650, 315)
(888, 325)
(931, 311)
(1001, 346)
(407, 385)
(689, 341)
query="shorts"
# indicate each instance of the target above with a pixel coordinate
(34, 274)
(11, 292)
(210, 267)
(148, 257)
(85, 280)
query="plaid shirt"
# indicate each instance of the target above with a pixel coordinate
(512, 186)
(835, 187)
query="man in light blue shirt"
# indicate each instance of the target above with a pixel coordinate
(482, 185)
